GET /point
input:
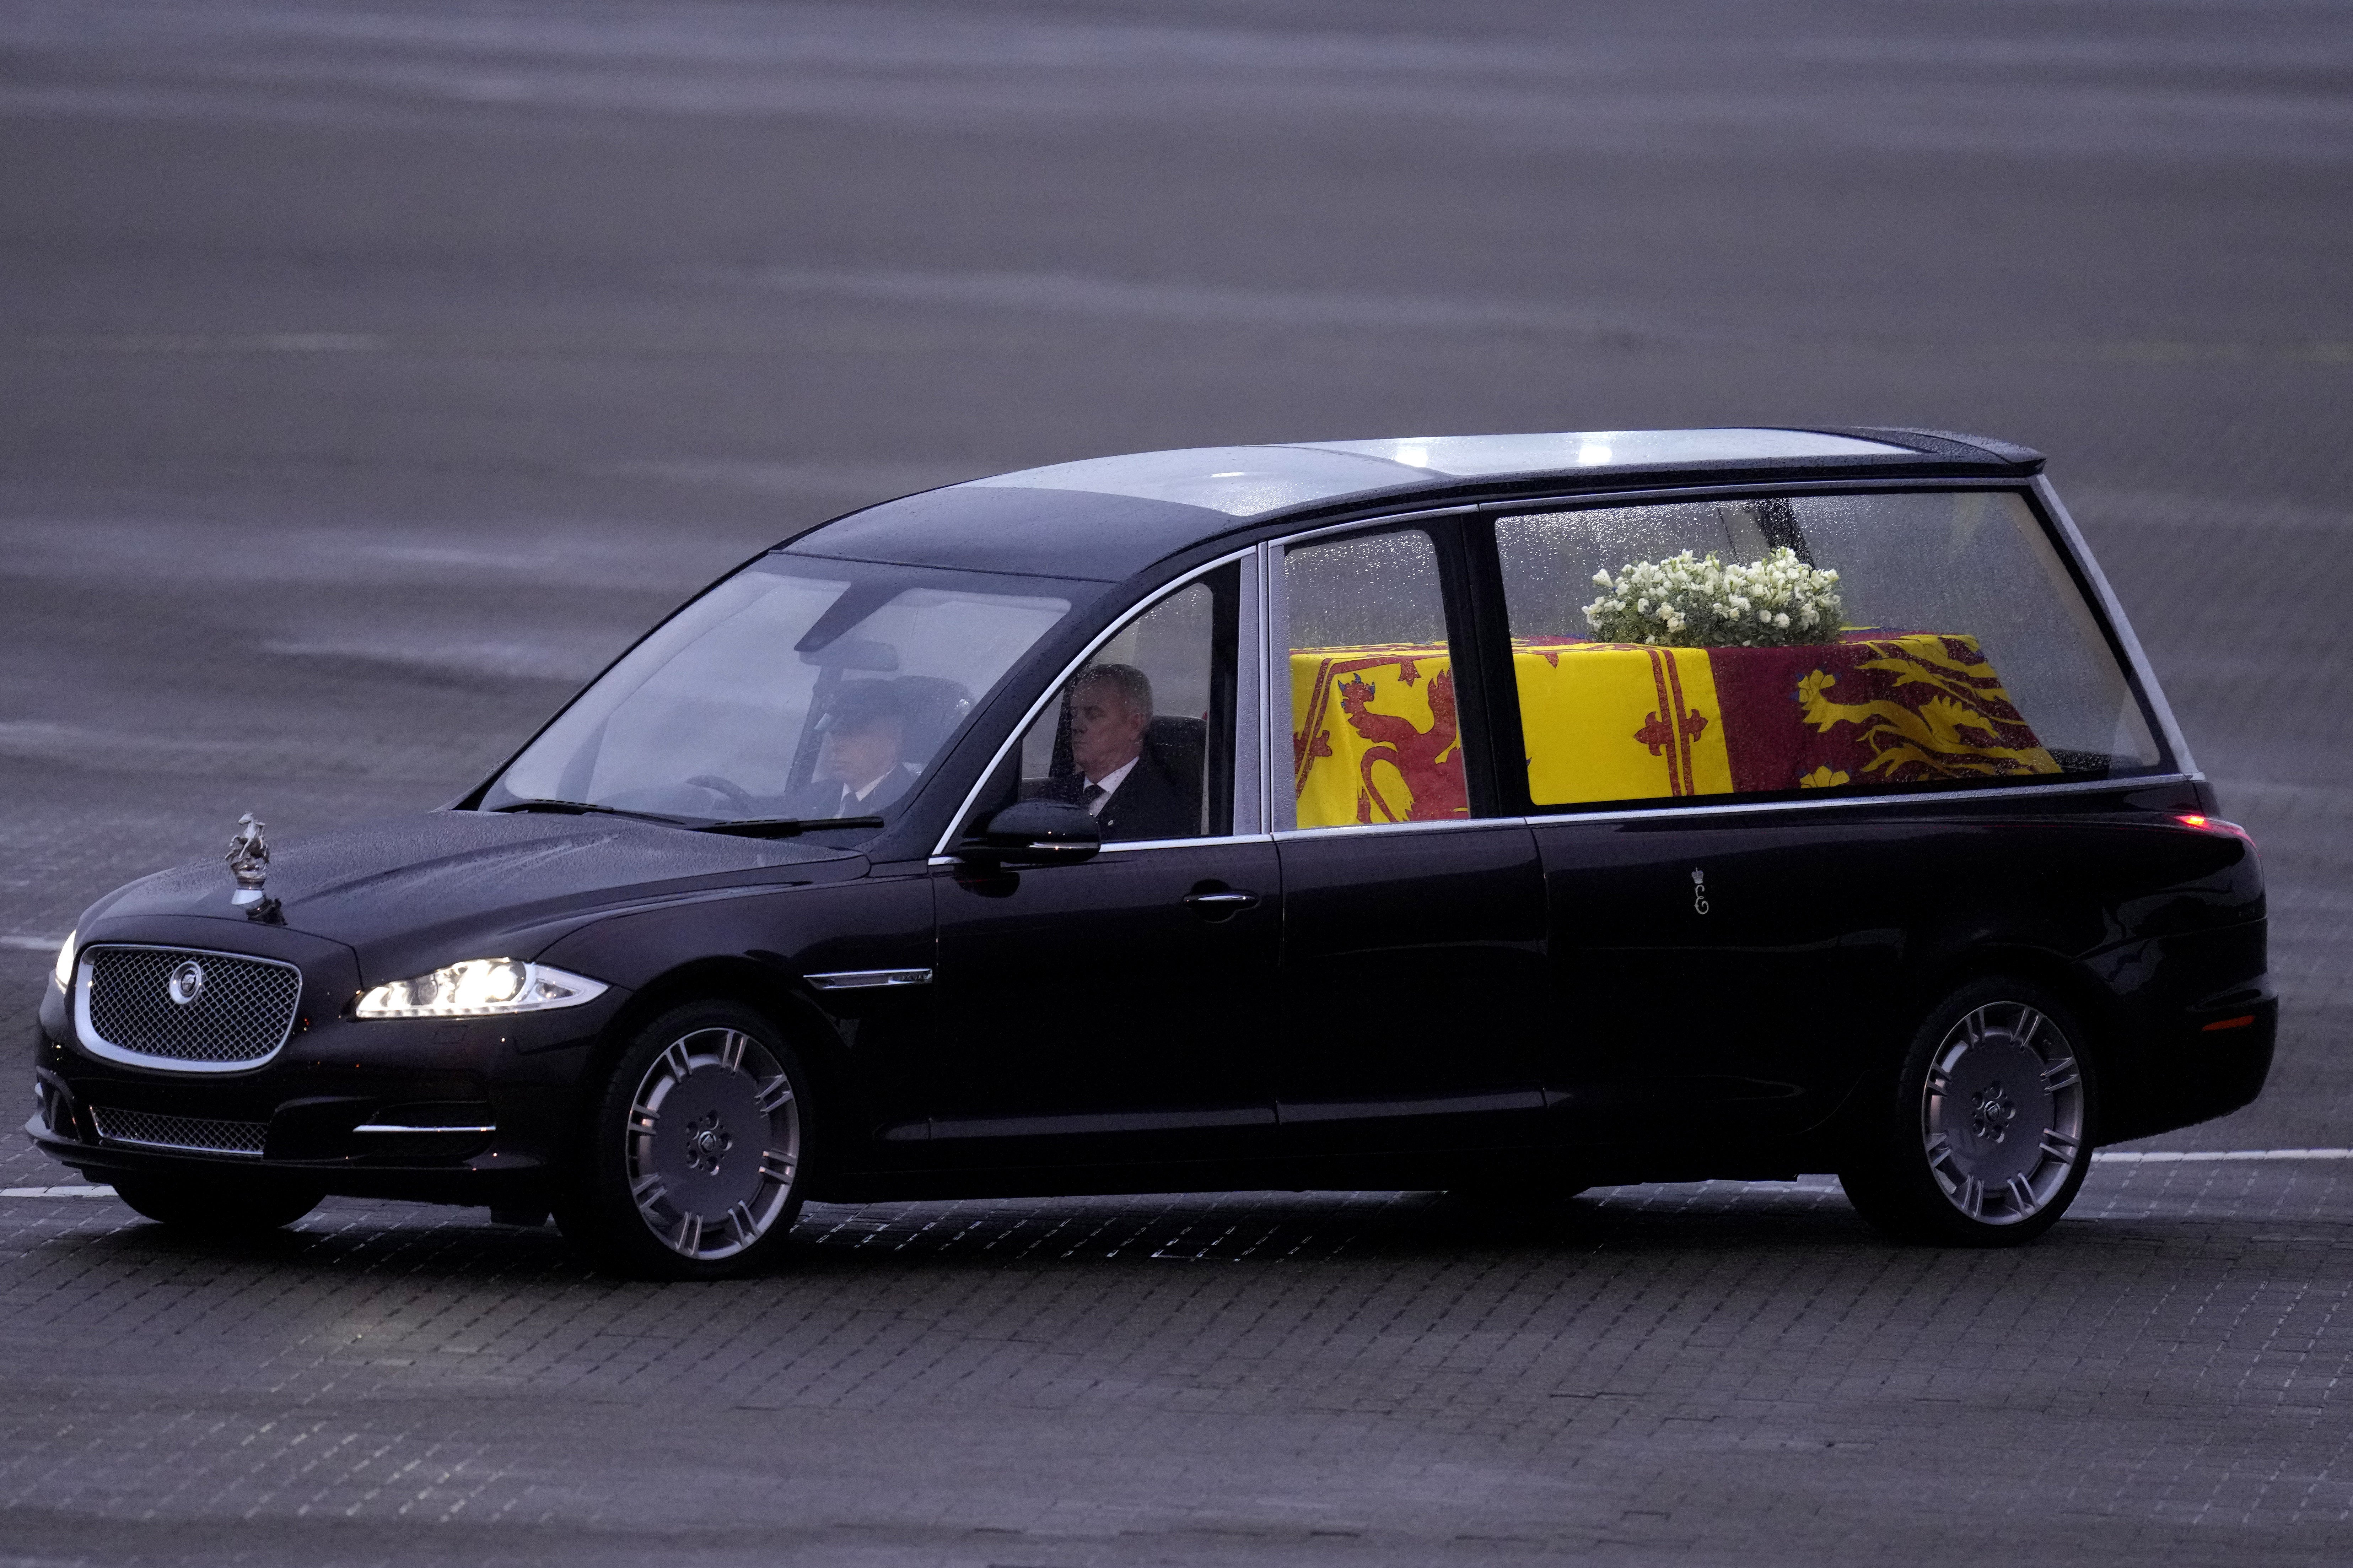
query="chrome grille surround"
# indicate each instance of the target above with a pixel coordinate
(185, 1134)
(241, 1016)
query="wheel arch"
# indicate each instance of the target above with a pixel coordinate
(2094, 1006)
(774, 995)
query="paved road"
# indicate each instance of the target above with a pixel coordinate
(1709, 1374)
(367, 376)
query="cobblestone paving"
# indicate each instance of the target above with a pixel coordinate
(1715, 1372)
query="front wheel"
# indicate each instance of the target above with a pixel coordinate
(1981, 1139)
(691, 1164)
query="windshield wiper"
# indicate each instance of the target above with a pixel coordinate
(578, 807)
(750, 828)
(785, 827)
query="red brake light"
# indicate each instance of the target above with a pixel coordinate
(2205, 823)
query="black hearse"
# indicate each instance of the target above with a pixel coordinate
(1518, 813)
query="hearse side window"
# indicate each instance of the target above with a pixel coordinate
(1142, 735)
(1952, 645)
(1374, 735)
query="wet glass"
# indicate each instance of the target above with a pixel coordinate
(798, 688)
(1986, 662)
(1375, 734)
(1142, 735)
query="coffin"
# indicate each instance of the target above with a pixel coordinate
(1375, 737)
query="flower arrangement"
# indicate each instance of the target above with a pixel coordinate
(1682, 601)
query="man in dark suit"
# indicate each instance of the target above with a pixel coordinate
(1110, 710)
(859, 768)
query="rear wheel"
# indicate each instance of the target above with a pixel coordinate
(691, 1168)
(1982, 1138)
(216, 1206)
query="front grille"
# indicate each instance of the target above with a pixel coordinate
(200, 1134)
(236, 1011)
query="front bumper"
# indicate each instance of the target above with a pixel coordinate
(471, 1111)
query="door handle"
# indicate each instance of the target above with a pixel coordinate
(1220, 904)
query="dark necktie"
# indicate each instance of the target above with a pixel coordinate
(1089, 795)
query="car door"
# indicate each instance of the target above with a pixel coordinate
(1743, 842)
(1118, 1011)
(1717, 962)
(1722, 971)
(1413, 970)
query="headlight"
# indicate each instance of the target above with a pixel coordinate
(63, 972)
(477, 986)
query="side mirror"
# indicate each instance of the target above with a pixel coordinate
(1035, 833)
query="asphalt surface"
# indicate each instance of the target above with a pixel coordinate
(369, 376)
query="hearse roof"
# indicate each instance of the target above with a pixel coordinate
(1107, 518)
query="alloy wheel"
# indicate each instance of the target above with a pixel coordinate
(713, 1144)
(2001, 1113)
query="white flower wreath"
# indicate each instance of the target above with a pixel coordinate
(1683, 602)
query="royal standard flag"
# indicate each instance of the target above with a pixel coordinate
(1375, 736)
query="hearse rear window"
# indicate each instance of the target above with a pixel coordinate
(1781, 646)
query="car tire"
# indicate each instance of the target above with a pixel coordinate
(691, 1162)
(216, 1207)
(1982, 1135)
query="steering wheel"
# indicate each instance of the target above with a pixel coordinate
(736, 795)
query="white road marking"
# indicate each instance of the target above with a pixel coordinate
(33, 944)
(57, 1192)
(2178, 1156)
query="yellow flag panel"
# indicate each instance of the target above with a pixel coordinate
(1376, 738)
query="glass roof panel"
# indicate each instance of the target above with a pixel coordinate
(1242, 481)
(1238, 480)
(1475, 455)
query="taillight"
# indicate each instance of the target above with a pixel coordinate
(2204, 824)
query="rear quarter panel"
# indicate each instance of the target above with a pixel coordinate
(2151, 928)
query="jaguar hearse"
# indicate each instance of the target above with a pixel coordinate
(1509, 813)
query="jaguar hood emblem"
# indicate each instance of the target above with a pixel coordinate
(248, 859)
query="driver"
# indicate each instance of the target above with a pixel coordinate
(859, 767)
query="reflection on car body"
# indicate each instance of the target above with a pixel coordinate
(1519, 813)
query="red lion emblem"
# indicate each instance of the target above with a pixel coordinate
(1431, 760)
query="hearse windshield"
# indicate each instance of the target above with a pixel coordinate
(801, 688)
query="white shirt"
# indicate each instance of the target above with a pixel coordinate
(853, 798)
(1109, 783)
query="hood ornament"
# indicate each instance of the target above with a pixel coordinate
(249, 858)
